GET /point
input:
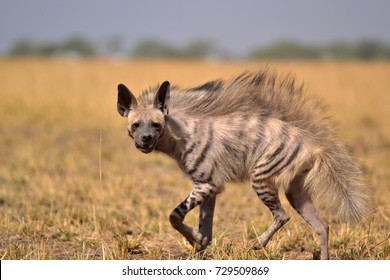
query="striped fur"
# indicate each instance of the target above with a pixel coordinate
(255, 127)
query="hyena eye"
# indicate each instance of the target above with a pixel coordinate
(156, 125)
(135, 126)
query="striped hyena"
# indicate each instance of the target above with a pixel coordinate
(258, 128)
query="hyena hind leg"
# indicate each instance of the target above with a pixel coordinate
(201, 193)
(270, 197)
(300, 200)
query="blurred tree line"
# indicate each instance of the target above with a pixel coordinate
(364, 50)
(74, 46)
(78, 46)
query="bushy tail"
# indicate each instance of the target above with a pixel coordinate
(337, 182)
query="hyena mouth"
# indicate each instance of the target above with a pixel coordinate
(145, 148)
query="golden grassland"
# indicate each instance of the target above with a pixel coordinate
(72, 186)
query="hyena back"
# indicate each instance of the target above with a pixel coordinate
(255, 128)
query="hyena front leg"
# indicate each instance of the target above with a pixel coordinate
(268, 194)
(201, 193)
(206, 216)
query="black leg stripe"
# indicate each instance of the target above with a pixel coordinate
(264, 193)
(178, 212)
(259, 187)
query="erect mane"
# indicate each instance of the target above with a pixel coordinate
(262, 93)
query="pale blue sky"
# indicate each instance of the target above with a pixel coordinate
(237, 26)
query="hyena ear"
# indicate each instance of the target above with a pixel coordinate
(126, 101)
(162, 97)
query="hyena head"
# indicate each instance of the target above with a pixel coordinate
(146, 122)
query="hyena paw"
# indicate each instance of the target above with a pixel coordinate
(201, 242)
(199, 247)
(260, 243)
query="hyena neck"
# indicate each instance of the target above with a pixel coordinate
(173, 137)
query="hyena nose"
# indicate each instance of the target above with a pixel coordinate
(146, 137)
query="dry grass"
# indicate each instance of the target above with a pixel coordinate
(73, 187)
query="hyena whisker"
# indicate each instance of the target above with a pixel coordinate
(255, 127)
